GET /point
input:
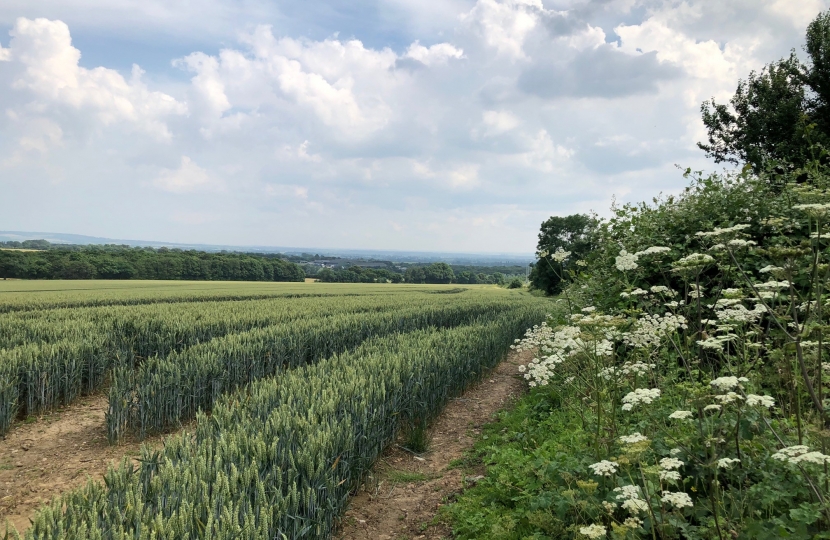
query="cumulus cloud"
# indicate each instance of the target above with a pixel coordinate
(483, 117)
(188, 178)
(51, 73)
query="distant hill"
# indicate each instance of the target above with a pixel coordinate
(474, 259)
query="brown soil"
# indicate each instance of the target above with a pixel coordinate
(404, 492)
(55, 453)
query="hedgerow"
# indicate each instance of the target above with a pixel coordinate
(680, 391)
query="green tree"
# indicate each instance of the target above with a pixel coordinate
(438, 273)
(776, 114)
(570, 233)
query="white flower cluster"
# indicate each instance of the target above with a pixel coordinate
(677, 499)
(728, 383)
(814, 210)
(626, 261)
(558, 345)
(729, 397)
(696, 292)
(694, 260)
(772, 285)
(604, 468)
(630, 495)
(716, 343)
(668, 468)
(650, 330)
(560, 255)
(770, 269)
(763, 401)
(800, 454)
(593, 531)
(740, 242)
(740, 314)
(636, 368)
(533, 338)
(653, 250)
(662, 289)
(725, 463)
(640, 395)
(681, 415)
(634, 438)
(722, 232)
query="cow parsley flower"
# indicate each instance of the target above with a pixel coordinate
(677, 499)
(630, 495)
(593, 531)
(725, 463)
(670, 463)
(764, 401)
(653, 250)
(604, 468)
(640, 395)
(626, 261)
(560, 255)
(693, 261)
(681, 415)
(725, 383)
(671, 476)
(800, 454)
(711, 408)
(729, 397)
(634, 438)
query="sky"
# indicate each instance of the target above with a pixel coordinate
(451, 125)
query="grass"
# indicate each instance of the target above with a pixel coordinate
(407, 477)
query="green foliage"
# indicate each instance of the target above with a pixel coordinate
(776, 115)
(121, 262)
(572, 234)
(516, 283)
(680, 388)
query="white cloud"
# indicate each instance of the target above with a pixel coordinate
(492, 120)
(439, 53)
(188, 178)
(498, 122)
(51, 73)
(504, 25)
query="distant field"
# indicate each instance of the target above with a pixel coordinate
(36, 294)
(324, 376)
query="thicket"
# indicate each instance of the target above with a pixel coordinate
(278, 458)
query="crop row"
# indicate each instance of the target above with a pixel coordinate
(70, 352)
(162, 392)
(278, 458)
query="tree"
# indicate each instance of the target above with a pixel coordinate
(438, 273)
(414, 274)
(571, 233)
(777, 114)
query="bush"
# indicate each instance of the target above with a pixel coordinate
(516, 283)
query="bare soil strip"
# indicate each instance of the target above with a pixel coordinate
(61, 450)
(404, 493)
(54, 454)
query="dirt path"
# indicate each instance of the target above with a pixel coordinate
(54, 454)
(404, 492)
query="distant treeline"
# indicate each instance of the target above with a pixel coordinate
(119, 262)
(40, 259)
